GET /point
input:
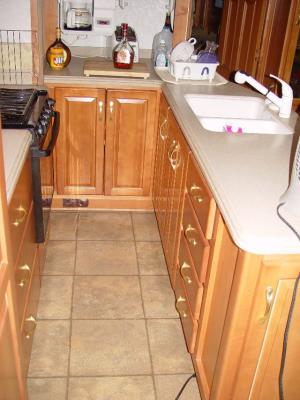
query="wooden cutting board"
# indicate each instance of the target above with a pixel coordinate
(106, 68)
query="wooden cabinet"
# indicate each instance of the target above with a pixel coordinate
(106, 144)
(233, 305)
(171, 168)
(80, 144)
(12, 382)
(130, 142)
(259, 37)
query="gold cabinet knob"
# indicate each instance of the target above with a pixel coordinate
(269, 296)
(25, 269)
(32, 321)
(196, 192)
(22, 212)
(184, 271)
(181, 307)
(161, 133)
(189, 233)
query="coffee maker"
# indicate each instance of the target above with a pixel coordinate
(84, 22)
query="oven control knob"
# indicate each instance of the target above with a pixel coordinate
(40, 129)
(50, 103)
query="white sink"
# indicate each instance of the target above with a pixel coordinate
(237, 114)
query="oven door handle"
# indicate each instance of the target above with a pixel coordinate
(54, 135)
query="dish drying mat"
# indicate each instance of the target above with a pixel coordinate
(165, 75)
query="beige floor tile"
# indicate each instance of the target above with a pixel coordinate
(47, 388)
(112, 388)
(114, 347)
(106, 258)
(63, 225)
(60, 257)
(105, 226)
(56, 297)
(158, 297)
(151, 258)
(50, 350)
(105, 297)
(167, 346)
(145, 227)
(168, 386)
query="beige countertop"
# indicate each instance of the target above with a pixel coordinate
(246, 173)
(16, 143)
(73, 74)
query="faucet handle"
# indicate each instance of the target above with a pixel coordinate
(287, 91)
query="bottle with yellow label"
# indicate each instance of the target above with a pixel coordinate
(58, 54)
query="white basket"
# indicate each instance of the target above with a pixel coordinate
(192, 70)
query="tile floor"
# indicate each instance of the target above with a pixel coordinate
(107, 327)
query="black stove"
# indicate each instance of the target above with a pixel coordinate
(26, 109)
(32, 109)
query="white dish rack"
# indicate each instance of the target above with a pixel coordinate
(192, 70)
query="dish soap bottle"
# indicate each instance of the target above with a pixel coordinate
(58, 54)
(123, 53)
(161, 55)
(166, 35)
(208, 55)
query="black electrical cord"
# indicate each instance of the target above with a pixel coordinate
(184, 385)
(286, 222)
(285, 339)
(290, 315)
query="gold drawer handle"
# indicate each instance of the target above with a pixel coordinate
(184, 271)
(31, 319)
(175, 160)
(111, 109)
(23, 214)
(269, 301)
(171, 148)
(26, 269)
(163, 137)
(23, 282)
(194, 192)
(189, 233)
(101, 104)
(181, 307)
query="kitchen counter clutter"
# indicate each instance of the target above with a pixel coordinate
(15, 147)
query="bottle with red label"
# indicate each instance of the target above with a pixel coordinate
(123, 53)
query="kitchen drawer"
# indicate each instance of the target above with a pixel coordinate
(201, 198)
(29, 322)
(197, 243)
(24, 265)
(189, 325)
(193, 288)
(19, 207)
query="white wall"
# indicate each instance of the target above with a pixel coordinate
(15, 14)
(145, 16)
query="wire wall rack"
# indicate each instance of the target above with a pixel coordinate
(17, 58)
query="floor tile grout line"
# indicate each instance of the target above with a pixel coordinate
(144, 311)
(71, 311)
(107, 376)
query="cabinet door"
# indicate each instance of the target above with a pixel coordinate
(178, 159)
(160, 148)
(240, 35)
(80, 145)
(10, 369)
(130, 142)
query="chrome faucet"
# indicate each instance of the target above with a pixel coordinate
(284, 103)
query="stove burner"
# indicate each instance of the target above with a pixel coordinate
(16, 106)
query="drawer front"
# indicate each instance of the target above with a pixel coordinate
(197, 243)
(189, 325)
(29, 322)
(201, 198)
(19, 207)
(24, 265)
(193, 288)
